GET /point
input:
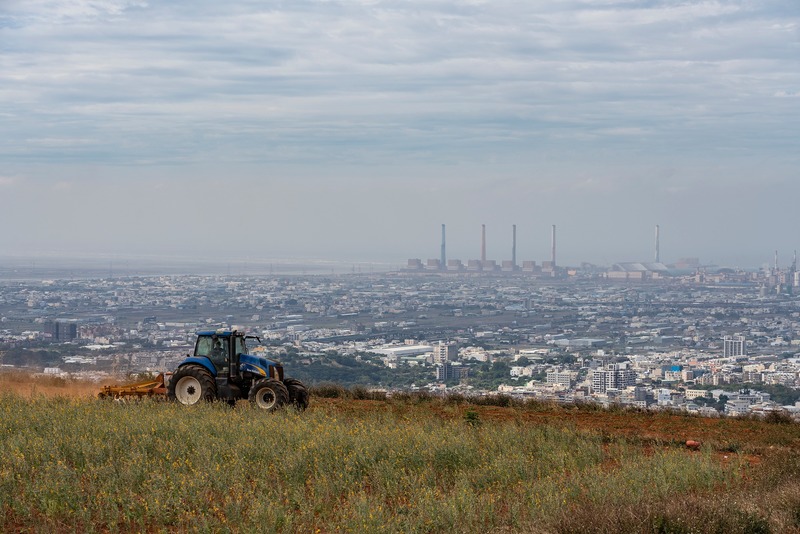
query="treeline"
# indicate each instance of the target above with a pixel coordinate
(366, 369)
(20, 357)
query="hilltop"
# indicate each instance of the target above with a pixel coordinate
(411, 463)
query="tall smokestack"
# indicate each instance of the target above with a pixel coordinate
(443, 259)
(483, 242)
(658, 246)
(776, 261)
(553, 251)
(514, 244)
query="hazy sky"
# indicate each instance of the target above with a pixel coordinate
(352, 130)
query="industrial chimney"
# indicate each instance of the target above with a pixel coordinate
(514, 245)
(553, 251)
(443, 259)
(483, 243)
(658, 246)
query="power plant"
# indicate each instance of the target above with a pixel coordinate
(637, 271)
(485, 265)
(630, 271)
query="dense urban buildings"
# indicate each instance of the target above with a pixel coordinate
(703, 341)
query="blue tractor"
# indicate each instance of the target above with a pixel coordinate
(221, 369)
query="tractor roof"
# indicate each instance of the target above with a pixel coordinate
(220, 332)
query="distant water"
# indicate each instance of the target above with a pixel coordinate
(59, 268)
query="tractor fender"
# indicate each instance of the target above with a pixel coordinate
(205, 362)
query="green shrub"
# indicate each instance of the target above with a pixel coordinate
(328, 391)
(496, 400)
(472, 418)
(779, 417)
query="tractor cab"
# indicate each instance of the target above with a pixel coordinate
(215, 348)
(222, 348)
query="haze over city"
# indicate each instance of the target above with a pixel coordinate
(350, 131)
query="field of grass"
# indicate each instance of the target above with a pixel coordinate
(73, 463)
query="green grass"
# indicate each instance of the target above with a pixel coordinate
(92, 466)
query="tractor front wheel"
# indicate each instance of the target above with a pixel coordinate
(268, 394)
(190, 384)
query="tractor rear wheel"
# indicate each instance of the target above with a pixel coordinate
(191, 384)
(268, 394)
(298, 394)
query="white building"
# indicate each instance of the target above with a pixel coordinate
(733, 346)
(403, 350)
(519, 370)
(737, 407)
(616, 376)
(444, 352)
(563, 378)
(692, 394)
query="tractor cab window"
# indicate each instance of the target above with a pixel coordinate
(204, 345)
(215, 349)
(239, 347)
(219, 354)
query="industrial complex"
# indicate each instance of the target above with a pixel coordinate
(780, 280)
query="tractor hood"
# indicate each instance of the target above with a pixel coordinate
(256, 364)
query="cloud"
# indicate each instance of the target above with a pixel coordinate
(481, 99)
(63, 186)
(60, 141)
(63, 11)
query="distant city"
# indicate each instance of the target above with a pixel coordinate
(650, 335)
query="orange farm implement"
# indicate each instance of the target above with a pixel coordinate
(153, 387)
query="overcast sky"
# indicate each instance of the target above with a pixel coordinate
(351, 130)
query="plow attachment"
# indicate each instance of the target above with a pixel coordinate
(151, 388)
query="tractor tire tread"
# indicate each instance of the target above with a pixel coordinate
(298, 394)
(279, 391)
(207, 383)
